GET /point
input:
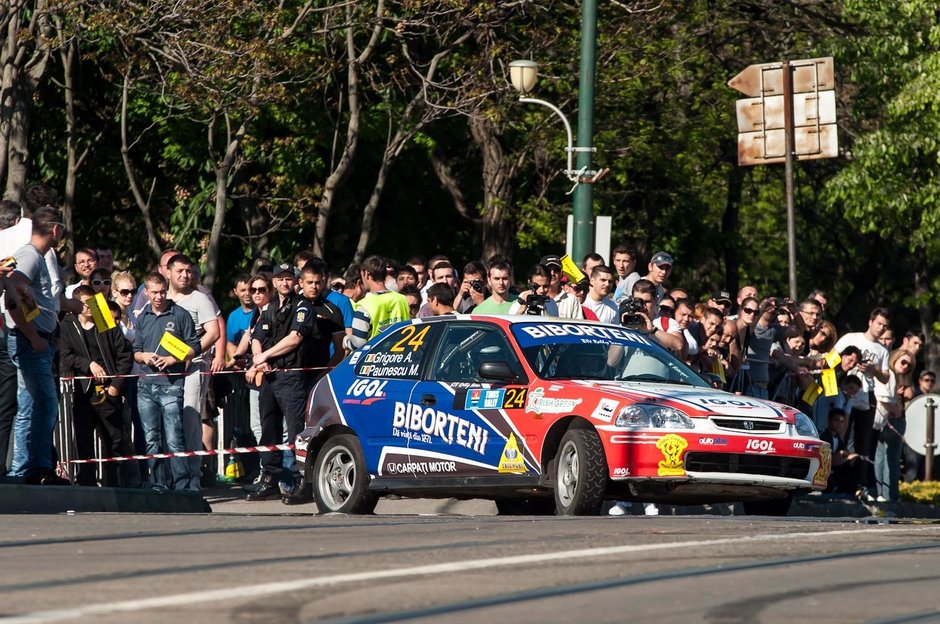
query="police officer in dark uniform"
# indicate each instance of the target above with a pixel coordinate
(323, 333)
(277, 343)
(324, 340)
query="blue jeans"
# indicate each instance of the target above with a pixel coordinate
(888, 460)
(37, 407)
(161, 414)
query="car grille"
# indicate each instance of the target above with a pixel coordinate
(748, 424)
(767, 465)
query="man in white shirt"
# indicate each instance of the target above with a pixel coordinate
(872, 365)
(205, 315)
(597, 300)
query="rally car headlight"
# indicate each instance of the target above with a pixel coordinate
(638, 416)
(671, 418)
(633, 417)
(805, 426)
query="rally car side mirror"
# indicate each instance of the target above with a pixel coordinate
(499, 371)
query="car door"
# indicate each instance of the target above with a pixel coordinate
(469, 423)
(375, 401)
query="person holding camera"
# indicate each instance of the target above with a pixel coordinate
(535, 301)
(872, 366)
(472, 290)
(637, 313)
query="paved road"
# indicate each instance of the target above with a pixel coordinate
(255, 565)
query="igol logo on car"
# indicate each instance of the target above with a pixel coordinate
(371, 389)
(760, 446)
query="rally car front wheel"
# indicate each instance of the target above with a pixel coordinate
(581, 474)
(340, 478)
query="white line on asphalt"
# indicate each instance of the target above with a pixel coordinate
(264, 589)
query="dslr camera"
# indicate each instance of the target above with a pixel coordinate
(476, 285)
(535, 305)
(633, 314)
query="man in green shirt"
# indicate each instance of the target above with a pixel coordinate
(379, 309)
(499, 280)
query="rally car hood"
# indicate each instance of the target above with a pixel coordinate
(694, 401)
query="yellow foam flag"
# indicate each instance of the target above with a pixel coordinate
(719, 370)
(830, 385)
(174, 346)
(100, 313)
(833, 358)
(812, 393)
(30, 308)
(571, 269)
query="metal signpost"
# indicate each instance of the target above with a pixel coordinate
(790, 112)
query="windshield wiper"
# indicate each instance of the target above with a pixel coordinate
(655, 379)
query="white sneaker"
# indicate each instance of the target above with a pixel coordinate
(650, 509)
(620, 508)
(881, 499)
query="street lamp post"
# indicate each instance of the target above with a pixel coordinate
(524, 75)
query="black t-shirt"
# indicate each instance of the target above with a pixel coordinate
(91, 339)
(325, 320)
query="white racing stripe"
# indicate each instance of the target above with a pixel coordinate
(265, 589)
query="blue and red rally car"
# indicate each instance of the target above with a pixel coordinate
(544, 415)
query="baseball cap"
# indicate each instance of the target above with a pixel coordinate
(721, 295)
(285, 267)
(660, 258)
(551, 260)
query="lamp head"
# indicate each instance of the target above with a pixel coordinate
(523, 75)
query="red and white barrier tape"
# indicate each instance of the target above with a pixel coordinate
(221, 372)
(229, 451)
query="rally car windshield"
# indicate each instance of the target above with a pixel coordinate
(598, 352)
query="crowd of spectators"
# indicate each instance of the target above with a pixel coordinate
(147, 381)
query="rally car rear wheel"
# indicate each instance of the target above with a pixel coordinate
(581, 474)
(340, 478)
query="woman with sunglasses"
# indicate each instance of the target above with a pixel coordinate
(123, 288)
(890, 424)
(261, 290)
(101, 280)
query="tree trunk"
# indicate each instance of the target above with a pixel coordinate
(498, 226)
(27, 58)
(729, 229)
(68, 54)
(223, 173)
(339, 173)
(143, 204)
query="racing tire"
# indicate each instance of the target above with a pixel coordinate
(775, 507)
(534, 506)
(580, 474)
(340, 478)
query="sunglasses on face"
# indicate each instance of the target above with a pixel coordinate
(126, 292)
(259, 290)
(105, 282)
(749, 310)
